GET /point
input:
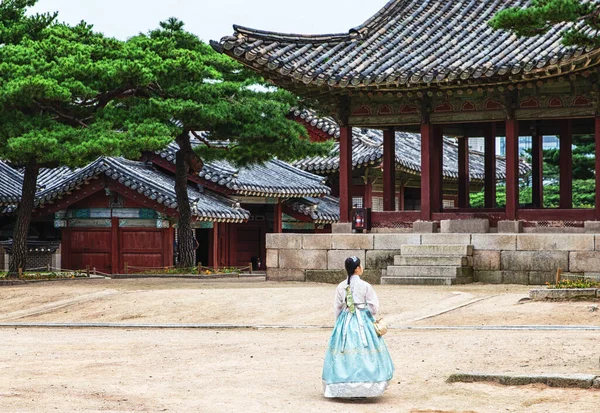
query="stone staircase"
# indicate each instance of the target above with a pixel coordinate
(431, 265)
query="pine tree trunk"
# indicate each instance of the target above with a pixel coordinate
(186, 244)
(19, 247)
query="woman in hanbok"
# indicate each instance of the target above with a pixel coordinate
(357, 361)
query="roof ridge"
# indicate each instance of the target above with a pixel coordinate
(358, 31)
(376, 20)
(266, 34)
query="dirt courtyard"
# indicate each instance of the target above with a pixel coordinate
(124, 369)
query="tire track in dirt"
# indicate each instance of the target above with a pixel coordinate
(56, 305)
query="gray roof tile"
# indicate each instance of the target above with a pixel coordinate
(325, 210)
(408, 42)
(367, 149)
(138, 176)
(272, 179)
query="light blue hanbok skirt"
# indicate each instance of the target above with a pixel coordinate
(357, 361)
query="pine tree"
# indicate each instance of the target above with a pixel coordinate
(62, 94)
(202, 90)
(542, 15)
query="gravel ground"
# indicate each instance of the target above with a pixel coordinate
(275, 370)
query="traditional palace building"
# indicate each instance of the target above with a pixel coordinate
(115, 212)
(437, 69)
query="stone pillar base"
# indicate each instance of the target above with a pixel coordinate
(465, 226)
(341, 228)
(510, 227)
(425, 227)
(592, 226)
(56, 259)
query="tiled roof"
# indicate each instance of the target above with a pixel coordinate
(149, 182)
(273, 179)
(143, 178)
(325, 210)
(11, 183)
(409, 43)
(367, 149)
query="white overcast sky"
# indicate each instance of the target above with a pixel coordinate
(212, 19)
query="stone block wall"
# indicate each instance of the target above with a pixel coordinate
(498, 258)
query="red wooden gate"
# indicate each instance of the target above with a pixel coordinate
(84, 247)
(249, 244)
(108, 249)
(141, 248)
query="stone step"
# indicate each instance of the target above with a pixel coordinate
(433, 261)
(422, 271)
(426, 280)
(437, 250)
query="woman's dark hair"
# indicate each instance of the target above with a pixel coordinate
(351, 264)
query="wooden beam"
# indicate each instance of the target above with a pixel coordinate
(566, 165)
(345, 173)
(512, 168)
(389, 169)
(463, 172)
(537, 168)
(490, 166)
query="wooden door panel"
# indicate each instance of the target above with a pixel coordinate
(90, 240)
(141, 239)
(142, 248)
(99, 260)
(248, 244)
(142, 260)
(90, 247)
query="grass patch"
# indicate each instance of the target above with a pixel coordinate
(574, 283)
(45, 275)
(192, 270)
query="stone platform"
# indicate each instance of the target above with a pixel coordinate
(497, 258)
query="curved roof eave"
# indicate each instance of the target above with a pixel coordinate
(410, 43)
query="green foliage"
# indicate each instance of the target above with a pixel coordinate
(542, 15)
(583, 195)
(583, 159)
(62, 91)
(202, 90)
(576, 283)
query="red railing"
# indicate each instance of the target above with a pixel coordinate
(394, 219)
(542, 217)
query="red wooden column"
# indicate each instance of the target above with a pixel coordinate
(168, 246)
(490, 166)
(278, 217)
(431, 170)
(537, 167)
(566, 165)
(114, 247)
(597, 151)
(512, 168)
(389, 170)
(368, 194)
(401, 197)
(214, 250)
(463, 172)
(345, 173)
